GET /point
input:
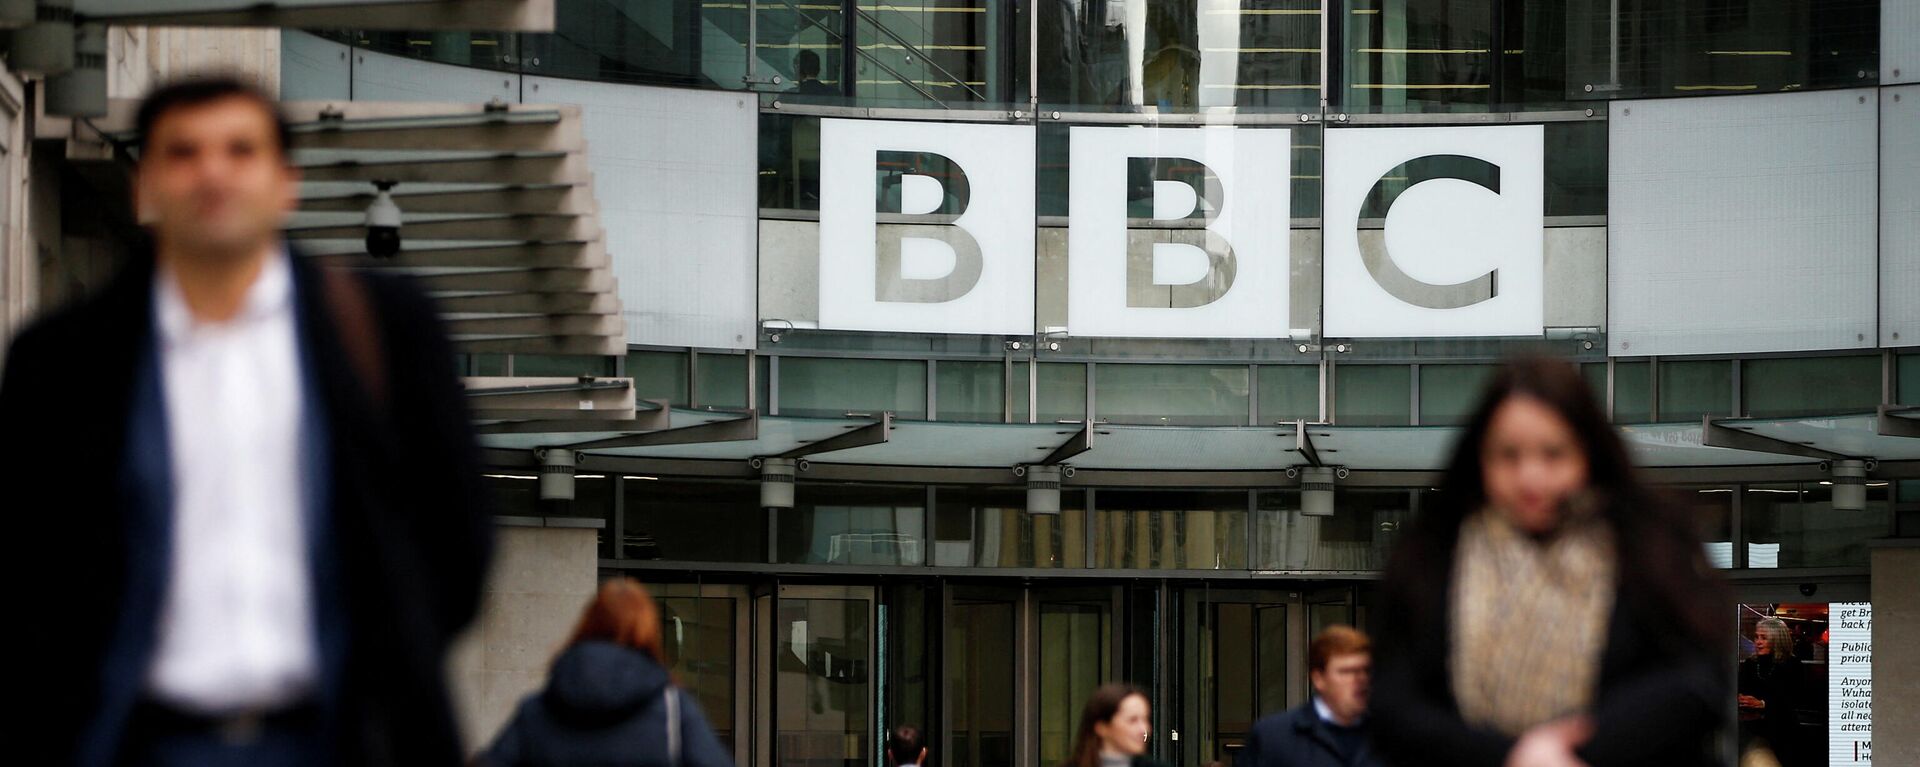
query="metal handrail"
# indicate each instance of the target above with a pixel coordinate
(856, 49)
(916, 51)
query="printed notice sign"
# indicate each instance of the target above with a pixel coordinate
(1849, 684)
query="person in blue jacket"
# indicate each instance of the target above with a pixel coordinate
(1331, 729)
(609, 698)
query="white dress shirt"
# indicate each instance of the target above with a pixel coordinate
(236, 623)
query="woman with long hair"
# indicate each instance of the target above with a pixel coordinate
(1549, 610)
(1114, 728)
(609, 699)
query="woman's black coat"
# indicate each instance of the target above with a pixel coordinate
(1660, 697)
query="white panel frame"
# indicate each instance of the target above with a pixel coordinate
(1900, 216)
(675, 173)
(382, 77)
(1741, 224)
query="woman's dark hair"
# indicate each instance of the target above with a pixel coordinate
(1102, 706)
(1661, 558)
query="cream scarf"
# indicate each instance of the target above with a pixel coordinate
(1528, 619)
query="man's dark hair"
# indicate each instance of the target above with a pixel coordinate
(199, 91)
(806, 64)
(904, 745)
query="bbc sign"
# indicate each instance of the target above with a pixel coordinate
(929, 227)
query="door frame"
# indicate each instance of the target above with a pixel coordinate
(767, 614)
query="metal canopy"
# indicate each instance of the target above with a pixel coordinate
(1080, 442)
(1175, 448)
(457, 15)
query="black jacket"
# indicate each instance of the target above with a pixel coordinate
(1658, 701)
(409, 538)
(605, 704)
(1300, 738)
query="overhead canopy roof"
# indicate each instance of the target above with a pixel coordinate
(1174, 448)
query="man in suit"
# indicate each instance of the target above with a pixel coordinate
(263, 523)
(1330, 730)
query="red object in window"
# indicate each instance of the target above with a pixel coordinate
(1823, 637)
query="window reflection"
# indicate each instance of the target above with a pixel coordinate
(1170, 530)
(1180, 54)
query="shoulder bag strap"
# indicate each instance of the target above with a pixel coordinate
(673, 726)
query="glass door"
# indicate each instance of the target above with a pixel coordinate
(1073, 648)
(1234, 668)
(707, 648)
(981, 694)
(823, 696)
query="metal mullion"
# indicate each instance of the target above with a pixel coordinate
(1413, 391)
(1739, 400)
(1328, 377)
(1739, 537)
(693, 379)
(1653, 389)
(932, 397)
(773, 384)
(1006, 388)
(1253, 394)
(1090, 394)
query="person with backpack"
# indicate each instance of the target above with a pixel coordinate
(609, 698)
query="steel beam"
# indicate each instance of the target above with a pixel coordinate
(508, 168)
(1081, 441)
(564, 302)
(1892, 421)
(1303, 444)
(1716, 433)
(731, 430)
(546, 255)
(860, 436)
(515, 227)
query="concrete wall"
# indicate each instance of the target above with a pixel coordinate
(140, 58)
(1896, 656)
(542, 578)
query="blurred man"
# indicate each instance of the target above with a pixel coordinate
(1330, 730)
(268, 523)
(906, 747)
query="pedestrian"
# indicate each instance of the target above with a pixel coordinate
(1114, 728)
(270, 520)
(609, 699)
(1548, 609)
(1771, 685)
(1330, 730)
(906, 747)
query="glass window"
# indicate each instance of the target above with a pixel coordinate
(1063, 391)
(1632, 392)
(789, 148)
(1787, 387)
(1448, 393)
(692, 521)
(1690, 389)
(659, 375)
(802, 44)
(1171, 395)
(670, 43)
(991, 528)
(1373, 395)
(823, 679)
(1179, 55)
(831, 388)
(925, 52)
(1172, 530)
(970, 391)
(1732, 46)
(1357, 537)
(1790, 525)
(1289, 393)
(561, 365)
(854, 525)
(1576, 168)
(1019, 380)
(483, 50)
(489, 364)
(722, 381)
(1712, 508)
(698, 640)
(1418, 55)
(1909, 377)
(1596, 375)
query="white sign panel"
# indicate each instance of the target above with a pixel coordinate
(1211, 261)
(1849, 684)
(1463, 250)
(926, 227)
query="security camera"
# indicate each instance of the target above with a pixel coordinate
(383, 222)
(1807, 589)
